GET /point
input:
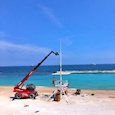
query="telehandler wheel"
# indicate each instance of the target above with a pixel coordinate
(36, 93)
(32, 96)
(18, 96)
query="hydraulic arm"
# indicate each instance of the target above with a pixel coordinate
(32, 71)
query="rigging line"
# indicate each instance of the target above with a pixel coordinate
(60, 64)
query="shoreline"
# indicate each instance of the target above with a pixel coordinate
(42, 89)
(69, 88)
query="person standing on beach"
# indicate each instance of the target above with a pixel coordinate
(53, 81)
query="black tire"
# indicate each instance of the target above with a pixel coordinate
(18, 96)
(32, 96)
(36, 93)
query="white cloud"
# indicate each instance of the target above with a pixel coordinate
(17, 54)
(68, 40)
(11, 46)
(50, 15)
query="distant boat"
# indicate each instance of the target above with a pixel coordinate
(93, 64)
(32, 65)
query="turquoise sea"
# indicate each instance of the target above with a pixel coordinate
(11, 76)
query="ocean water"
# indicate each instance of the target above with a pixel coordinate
(11, 76)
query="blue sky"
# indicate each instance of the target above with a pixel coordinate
(30, 29)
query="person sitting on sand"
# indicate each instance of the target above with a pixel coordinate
(78, 91)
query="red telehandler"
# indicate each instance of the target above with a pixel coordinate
(29, 92)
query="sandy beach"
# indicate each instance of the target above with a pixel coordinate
(101, 103)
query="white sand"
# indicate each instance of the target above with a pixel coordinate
(102, 103)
